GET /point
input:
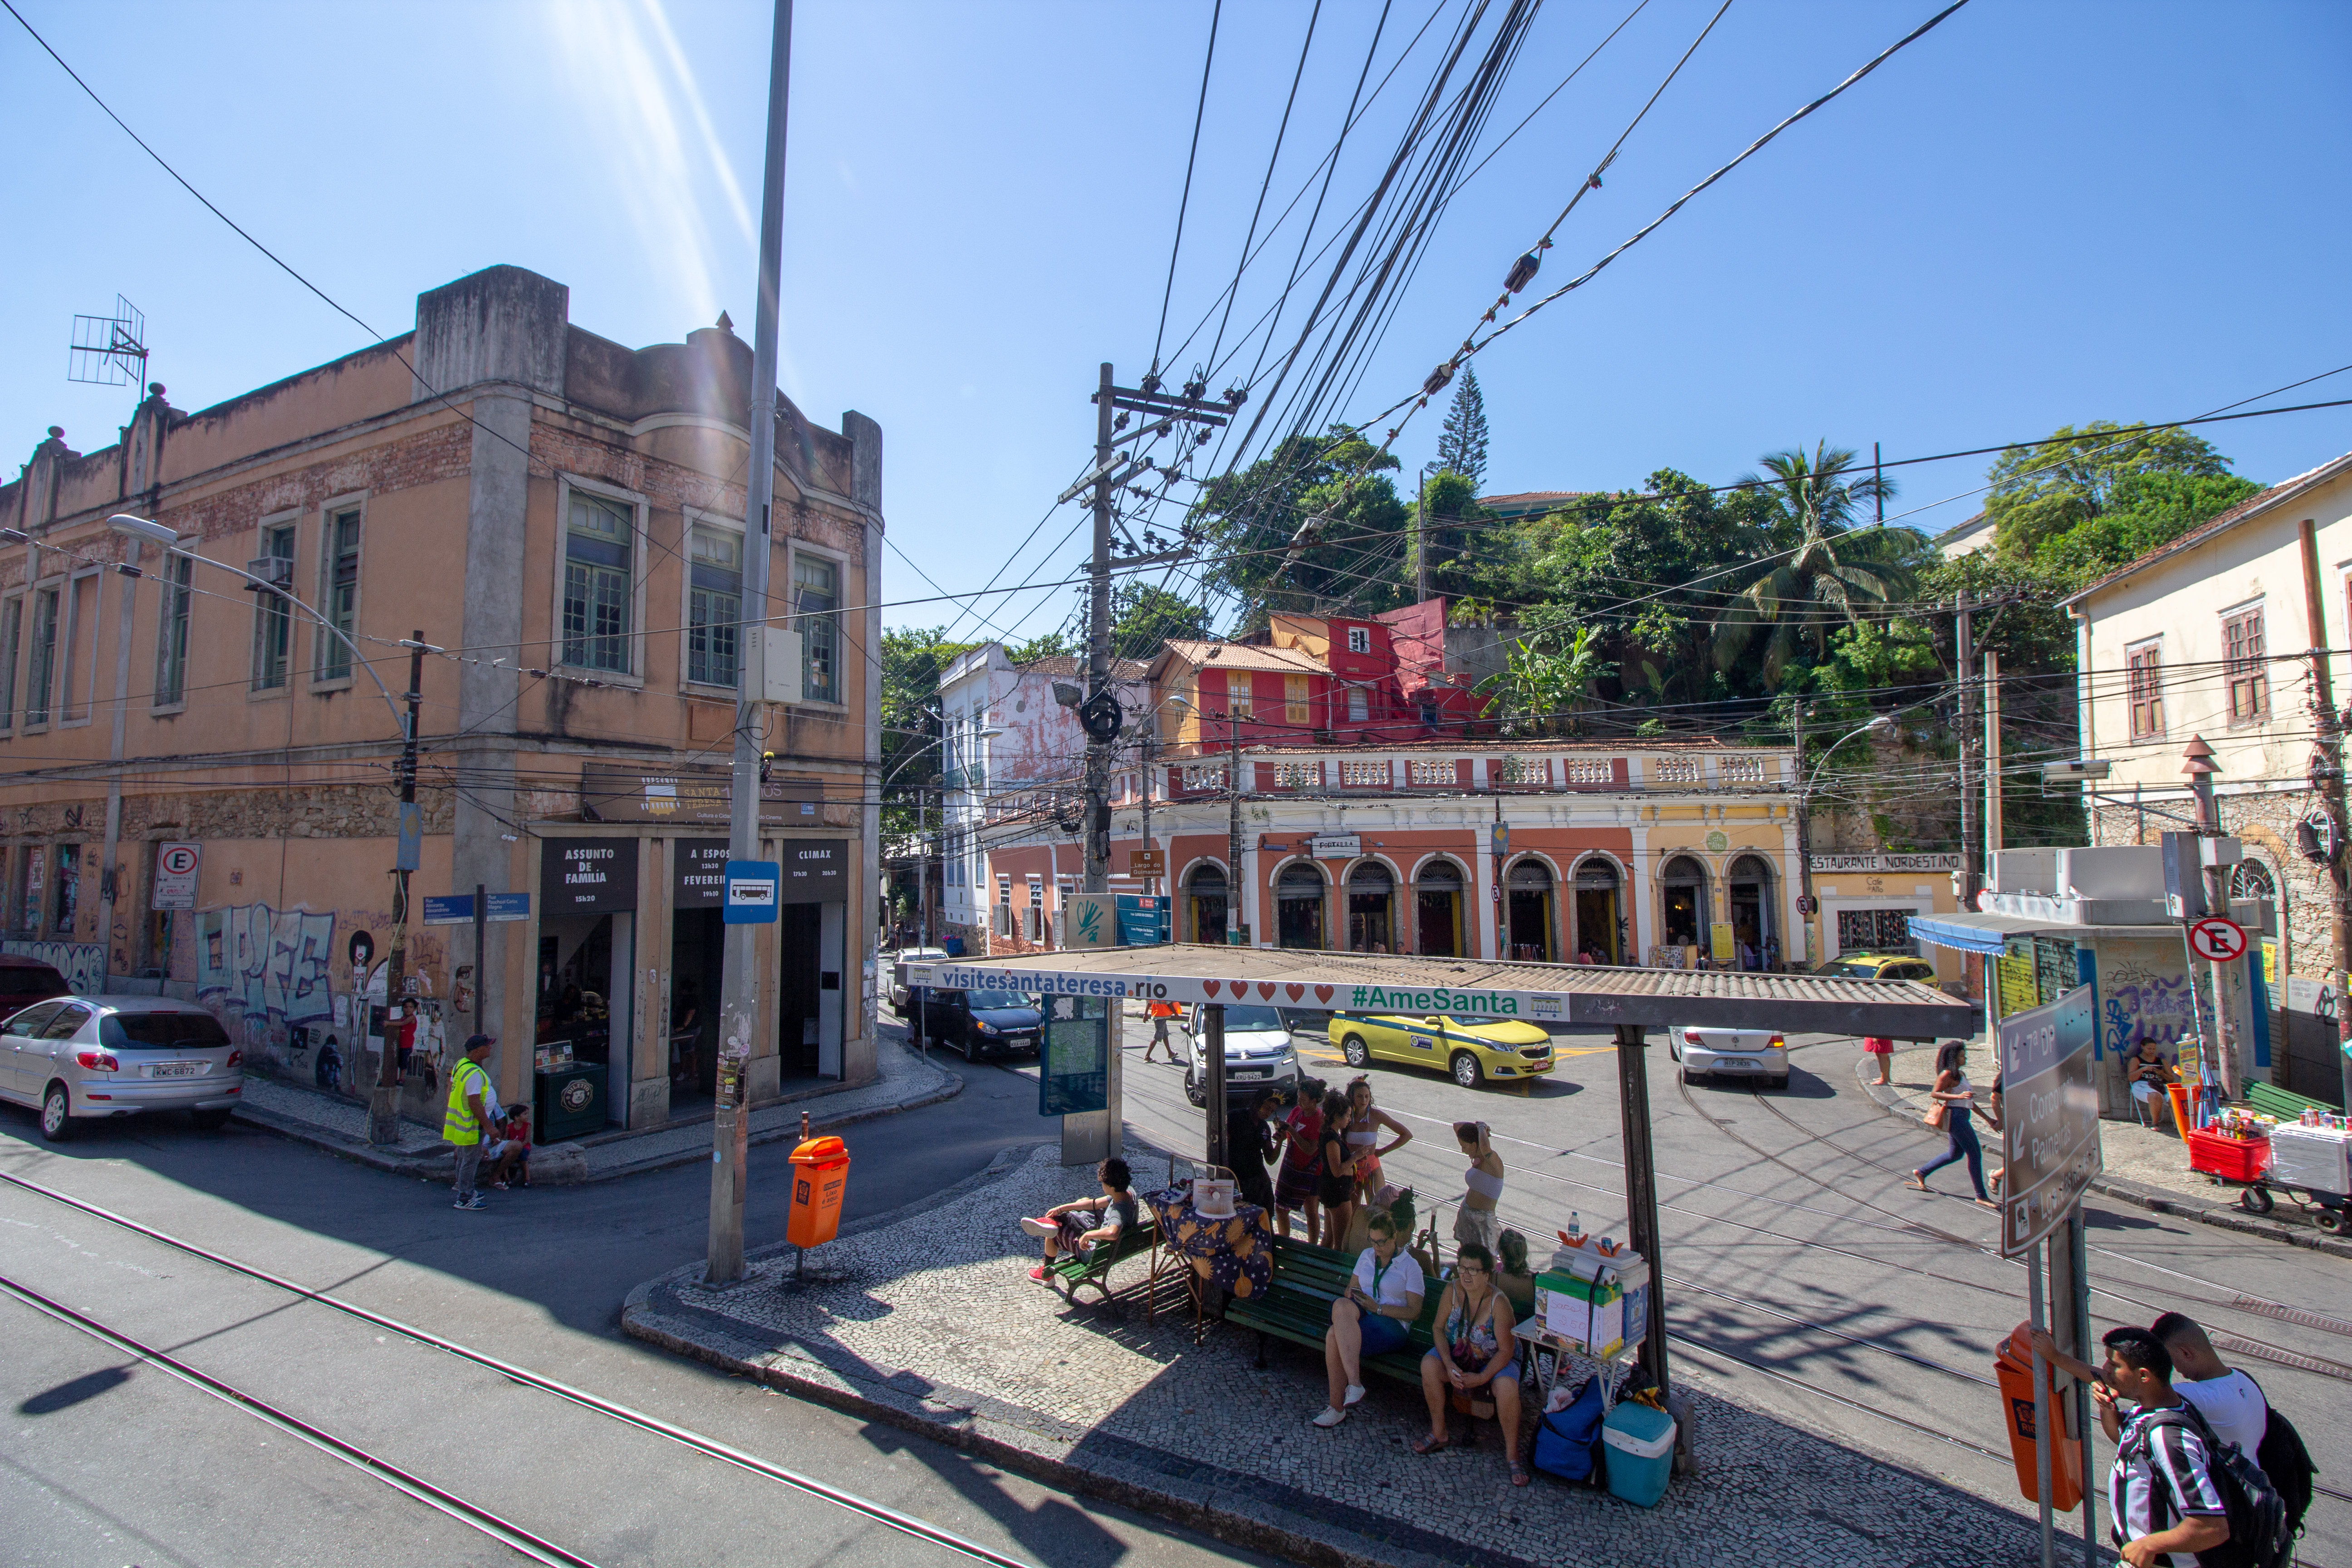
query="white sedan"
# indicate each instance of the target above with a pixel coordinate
(1734, 1053)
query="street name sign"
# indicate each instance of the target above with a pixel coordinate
(2050, 1136)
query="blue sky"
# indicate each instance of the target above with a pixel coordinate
(2039, 214)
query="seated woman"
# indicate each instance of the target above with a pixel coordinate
(1514, 1275)
(1079, 1226)
(2147, 1072)
(1376, 1316)
(1474, 1352)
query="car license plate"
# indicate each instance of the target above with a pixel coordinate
(1733, 1064)
(174, 1069)
(1244, 1072)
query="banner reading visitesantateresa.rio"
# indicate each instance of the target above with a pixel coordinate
(1349, 997)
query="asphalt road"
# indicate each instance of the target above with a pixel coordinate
(1822, 1267)
(105, 1460)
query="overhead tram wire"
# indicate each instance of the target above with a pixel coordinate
(1281, 131)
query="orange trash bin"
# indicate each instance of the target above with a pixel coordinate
(2013, 1365)
(820, 1174)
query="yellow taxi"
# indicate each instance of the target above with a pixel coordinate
(1879, 966)
(1473, 1050)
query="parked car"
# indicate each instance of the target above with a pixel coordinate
(1257, 1052)
(1879, 966)
(24, 981)
(983, 1022)
(81, 1057)
(1472, 1050)
(895, 968)
(1735, 1052)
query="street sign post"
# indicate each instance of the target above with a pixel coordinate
(2050, 1135)
(1142, 918)
(455, 909)
(2218, 940)
(175, 876)
(1146, 862)
(751, 892)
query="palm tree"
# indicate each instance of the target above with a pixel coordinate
(1817, 567)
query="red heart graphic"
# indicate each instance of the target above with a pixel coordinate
(1209, 986)
(1240, 988)
(1266, 988)
(1323, 994)
(1296, 991)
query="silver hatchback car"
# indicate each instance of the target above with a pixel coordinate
(117, 1056)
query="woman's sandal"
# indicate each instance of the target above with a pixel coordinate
(1431, 1445)
(1916, 1181)
(1518, 1473)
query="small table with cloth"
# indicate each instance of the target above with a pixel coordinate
(1235, 1255)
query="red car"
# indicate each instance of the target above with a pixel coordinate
(24, 981)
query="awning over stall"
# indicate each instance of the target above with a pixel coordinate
(1988, 933)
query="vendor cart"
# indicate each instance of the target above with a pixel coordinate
(2312, 1166)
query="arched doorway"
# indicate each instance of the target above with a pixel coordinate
(1298, 906)
(1437, 909)
(1527, 899)
(1205, 895)
(1752, 926)
(1371, 908)
(1683, 899)
(1596, 912)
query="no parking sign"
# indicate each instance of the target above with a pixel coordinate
(2217, 939)
(175, 876)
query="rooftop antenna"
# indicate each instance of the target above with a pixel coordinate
(109, 351)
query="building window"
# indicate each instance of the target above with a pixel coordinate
(599, 580)
(81, 632)
(1432, 775)
(816, 600)
(341, 601)
(1293, 699)
(2247, 670)
(11, 626)
(68, 891)
(273, 626)
(1359, 639)
(1298, 775)
(1359, 705)
(1237, 695)
(2146, 667)
(41, 665)
(714, 607)
(172, 633)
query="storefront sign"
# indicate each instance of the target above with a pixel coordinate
(816, 870)
(587, 876)
(698, 873)
(1867, 863)
(175, 876)
(2050, 1136)
(1335, 845)
(689, 797)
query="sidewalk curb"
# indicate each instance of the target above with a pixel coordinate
(953, 1087)
(2156, 1200)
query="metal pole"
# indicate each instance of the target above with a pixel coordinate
(383, 1100)
(1097, 841)
(1235, 905)
(110, 885)
(2327, 776)
(481, 930)
(1150, 884)
(1963, 661)
(2078, 1253)
(1642, 1190)
(1808, 908)
(2041, 1407)
(1213, 1058)
(1991, 761)
(1421, 541)
(731, 1123)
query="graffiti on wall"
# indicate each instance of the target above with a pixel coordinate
(270, 965)
(2145, 995)
(83, 964)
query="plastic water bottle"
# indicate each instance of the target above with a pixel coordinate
(1575, 1231)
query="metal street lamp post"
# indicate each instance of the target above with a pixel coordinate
(1880, 725)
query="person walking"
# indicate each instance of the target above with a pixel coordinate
(2165, 1509)
(1160, 1012)
(1956, 1106)
(467, 1113)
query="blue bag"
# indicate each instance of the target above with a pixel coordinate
(1568, 1444)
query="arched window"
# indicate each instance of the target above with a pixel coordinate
(1528, 910)
(1437, 909)
(1298, 905)
(1371, 908)
(1682, 897)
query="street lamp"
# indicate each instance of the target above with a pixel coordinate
(1881, 724)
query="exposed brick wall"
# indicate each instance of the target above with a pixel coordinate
(2264, 824)
(441, 452)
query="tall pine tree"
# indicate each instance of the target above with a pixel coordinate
(1461, 445)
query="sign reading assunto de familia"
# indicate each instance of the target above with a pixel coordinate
(2050, 1136)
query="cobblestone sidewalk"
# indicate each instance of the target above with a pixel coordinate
(939, 1330)
(2145, 1167)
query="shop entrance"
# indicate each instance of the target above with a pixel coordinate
(1751, 913)
(1205, 892)
(808, 992)
(584, 1003)
(1530, 911)
(1437, 909)
(1596, 912)
(1371, 896)
(1682, 893)
(1298, 906)
(698, 951)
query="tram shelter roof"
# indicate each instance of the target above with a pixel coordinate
(1573, 995)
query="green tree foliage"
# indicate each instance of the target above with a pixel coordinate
(1315, 522)
(1044, 644)
(2042, 491)
(2145, 511)
(1466, 553)
(1462, 444)
(913, 658)
(1144, 617)
(1552, 666)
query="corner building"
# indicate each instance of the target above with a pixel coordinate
(561, 518)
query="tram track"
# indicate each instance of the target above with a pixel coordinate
(711, 1448)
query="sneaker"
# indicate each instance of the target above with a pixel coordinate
(1038, 1274)
(1355, 1394)
(473, 1203)
(1328, 1417)
(500, 1185)
(1041, 1229)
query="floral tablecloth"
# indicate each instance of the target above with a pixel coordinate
(1236, 1255)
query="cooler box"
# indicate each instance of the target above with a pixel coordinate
(2232, 1159)
(1640, 1444)
(569, 1100)
(2319, 1159)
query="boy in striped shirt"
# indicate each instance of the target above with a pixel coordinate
(2162, 1503)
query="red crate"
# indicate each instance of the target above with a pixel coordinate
(2232, 1159)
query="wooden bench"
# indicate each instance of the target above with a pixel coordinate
(1070, 1271)
(1296, 1307)
(2281, 1103)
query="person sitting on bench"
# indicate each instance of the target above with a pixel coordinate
(1077, 1226)
(1475, 1356)
(1376, 1316)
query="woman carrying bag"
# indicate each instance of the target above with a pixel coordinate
(1954, 1110)
(1475, 1356)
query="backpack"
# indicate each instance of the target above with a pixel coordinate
(2286, 1462)
(2259, 1535)
(1568, 1441)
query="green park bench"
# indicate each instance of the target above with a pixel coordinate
(1296, 1306)
(2281, 1103)
(1070, 1271)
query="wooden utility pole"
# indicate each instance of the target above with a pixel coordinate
(1991, 762)
(384, 1101)
(1963, 663)
(2328, 781)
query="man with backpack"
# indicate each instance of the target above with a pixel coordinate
(2179, 1494)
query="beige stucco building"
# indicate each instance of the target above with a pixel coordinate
(2213, 636)
(560, 518)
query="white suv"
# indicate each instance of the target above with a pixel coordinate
(1257, 1052)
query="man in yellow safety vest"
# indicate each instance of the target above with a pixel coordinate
(462, 1122)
